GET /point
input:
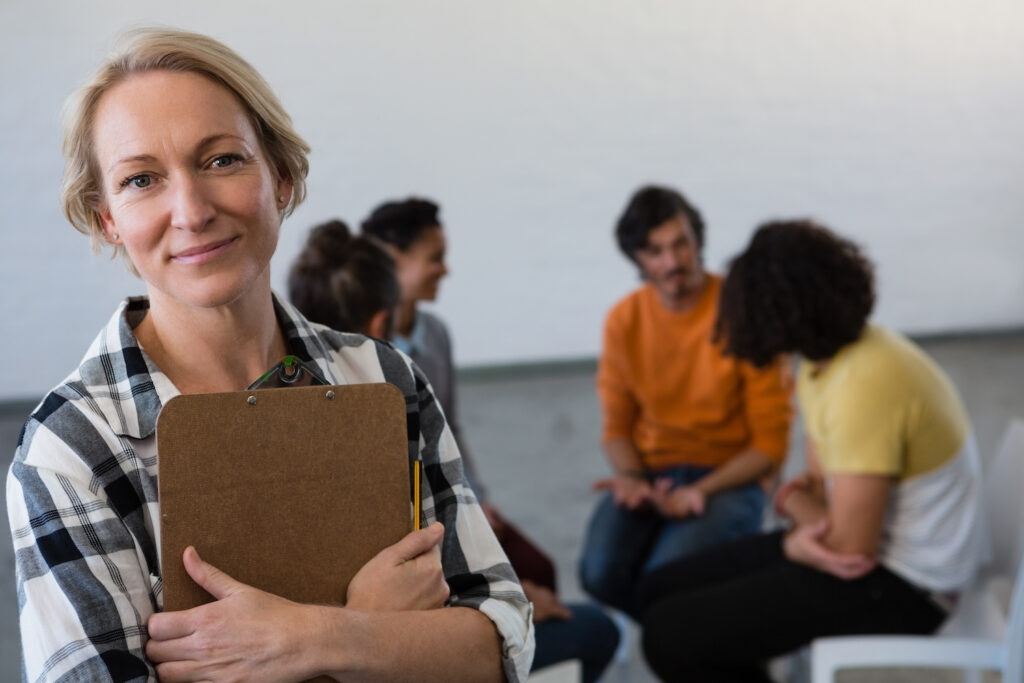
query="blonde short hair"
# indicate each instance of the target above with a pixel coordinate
(156, 49)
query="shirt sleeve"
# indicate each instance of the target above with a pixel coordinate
(619, 406)
(475, 567)
(83, 594)
(864, 428)
(768, 404)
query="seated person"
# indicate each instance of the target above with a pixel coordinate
(885, 522)
(181, 158)
(412, 232)
(345, 282)
(688, 431)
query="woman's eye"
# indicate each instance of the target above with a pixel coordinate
(225, 160)
(140, 182)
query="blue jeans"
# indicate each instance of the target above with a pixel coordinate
(590, 636)
(623, 545)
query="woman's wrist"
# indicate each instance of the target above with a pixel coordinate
(332, 635)
(784, 492)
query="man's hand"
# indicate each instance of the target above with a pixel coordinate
(247, 634)
(805, 544)
(403, 576)
(546, 604)
(679, 502)
(629, 492)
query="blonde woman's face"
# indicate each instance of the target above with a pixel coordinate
(186, 186)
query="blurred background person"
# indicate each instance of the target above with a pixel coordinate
(411, 229)
(689, 432)
(886, 524)
(345, 281)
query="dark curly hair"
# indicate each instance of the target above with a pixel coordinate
(649, 207)
(400, 223)
(797, 287)
(341, 280)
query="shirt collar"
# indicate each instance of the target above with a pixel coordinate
(129, 389)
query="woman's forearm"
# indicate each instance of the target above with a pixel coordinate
(432, 645)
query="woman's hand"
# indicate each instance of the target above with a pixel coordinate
(247, 634)
(805, 545)
(802, 499)
(679, 502)
(403, 576)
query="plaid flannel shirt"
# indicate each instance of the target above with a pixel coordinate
(82, 501)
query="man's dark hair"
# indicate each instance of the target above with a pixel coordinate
(400, 223)
(648, 208)
(341, 280)
(797, 287)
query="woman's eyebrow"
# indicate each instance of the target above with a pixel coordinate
(217, 137)
(205, 142)
(129, 159)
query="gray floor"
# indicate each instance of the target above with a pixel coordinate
(535, 436)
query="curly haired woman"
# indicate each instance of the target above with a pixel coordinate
(883, 522)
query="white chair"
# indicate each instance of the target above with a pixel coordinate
(977, 636)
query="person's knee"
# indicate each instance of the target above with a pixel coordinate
(607, 637)
(602, 633)
(600, 578)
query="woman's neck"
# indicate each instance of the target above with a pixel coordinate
(206, 350)
(405, 319)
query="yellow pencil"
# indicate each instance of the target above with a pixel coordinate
(416, 496)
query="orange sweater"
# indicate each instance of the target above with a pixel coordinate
(665, 385)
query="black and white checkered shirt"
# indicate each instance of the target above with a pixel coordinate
(82, 500)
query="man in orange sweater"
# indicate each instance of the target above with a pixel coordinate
(689, 433)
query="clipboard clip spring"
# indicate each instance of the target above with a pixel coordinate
(290, 372)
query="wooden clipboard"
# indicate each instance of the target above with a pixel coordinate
(288, 490)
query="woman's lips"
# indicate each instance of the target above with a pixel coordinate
(203, 253)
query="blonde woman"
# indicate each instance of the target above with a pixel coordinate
(180, 158)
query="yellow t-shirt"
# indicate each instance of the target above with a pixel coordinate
(882, 406)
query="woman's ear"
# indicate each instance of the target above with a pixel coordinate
(283, 193)
(107, 224)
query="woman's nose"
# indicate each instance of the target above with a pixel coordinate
(191, 209)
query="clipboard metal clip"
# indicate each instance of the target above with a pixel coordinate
(290, 372)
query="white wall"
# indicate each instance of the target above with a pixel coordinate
(900, 123)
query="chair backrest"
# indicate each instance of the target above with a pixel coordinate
(1014, 671)
(1004, 504)
(1005, 507)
